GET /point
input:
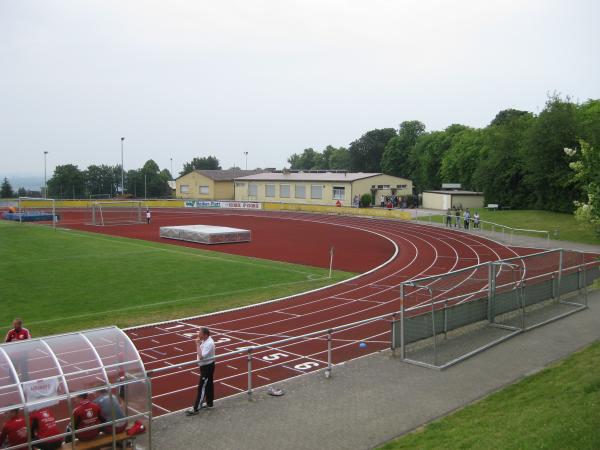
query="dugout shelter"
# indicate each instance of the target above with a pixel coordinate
(49, 377)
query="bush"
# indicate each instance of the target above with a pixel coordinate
(365, 200)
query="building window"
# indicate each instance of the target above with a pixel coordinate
(300, 191)
(184, 188)
(339, 192)
(284, 190)
(203, 190)
(253, 189)
(269, 190)
(240, 185)
(316, 192)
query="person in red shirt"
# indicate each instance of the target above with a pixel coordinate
(18, 333)
(43, 426)
(87, 414)
(14, 431)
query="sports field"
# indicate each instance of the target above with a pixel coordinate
(65, 280)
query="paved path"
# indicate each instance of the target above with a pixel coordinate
(371, 400)
(521, 240)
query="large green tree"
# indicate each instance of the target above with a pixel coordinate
(366, 152)
(395, 160)
(339, 158)
(500, 172)
(6, 190)
(586, 167)
(331, 158)
(102, 179)
(547, 167)
(307, 160)
(461, 160)
(427, 154)
(67, 182)
(201, 163)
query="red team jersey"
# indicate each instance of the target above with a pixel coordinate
(87, 414)
(44, 425)
(14, 431)
(17, 335)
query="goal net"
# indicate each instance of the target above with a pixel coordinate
(33, 209)
(122, 212)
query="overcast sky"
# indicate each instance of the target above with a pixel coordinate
(192, 78)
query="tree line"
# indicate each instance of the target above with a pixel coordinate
(518, 160)
(68, 181)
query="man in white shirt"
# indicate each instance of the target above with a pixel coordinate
(206, 360)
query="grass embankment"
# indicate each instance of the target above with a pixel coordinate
(61, 280)
(565, 225)
(558, 408)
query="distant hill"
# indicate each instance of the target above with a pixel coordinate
(33, 183)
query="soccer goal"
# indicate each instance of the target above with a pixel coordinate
(121, 212)
(33, 209)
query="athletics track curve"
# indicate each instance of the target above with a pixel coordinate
(422, 250)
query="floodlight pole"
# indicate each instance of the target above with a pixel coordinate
(122, 170)
(45, 178)
(172, 169)
(246, 155)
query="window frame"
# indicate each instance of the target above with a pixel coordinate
(267, 189)
(303, 189)
(338, 188)
(312, 187)
(289, 190)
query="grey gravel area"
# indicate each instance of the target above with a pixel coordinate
(373, 399)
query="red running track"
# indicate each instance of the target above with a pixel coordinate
(361, 244)
(413, 251)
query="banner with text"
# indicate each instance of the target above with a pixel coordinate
(222, 204)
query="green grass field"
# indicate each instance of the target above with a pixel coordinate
(568, 229)
(61, 280)
(557, 408)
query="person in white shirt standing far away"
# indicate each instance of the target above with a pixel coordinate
(148, 216)
(206, 360)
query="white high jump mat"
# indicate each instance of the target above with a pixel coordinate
(206, 234)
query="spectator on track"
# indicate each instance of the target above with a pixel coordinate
(206, 360)
(382, 201)
(14, 430)
(148, 216)
(467, 218)
(448, 217)
(43, 426)
(457, 217)
(108, 404)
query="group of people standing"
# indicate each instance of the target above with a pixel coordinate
(457, 213)
(392, 201)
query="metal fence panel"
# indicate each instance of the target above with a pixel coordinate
(461, 313)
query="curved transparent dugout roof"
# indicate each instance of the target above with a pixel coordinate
(52, 372)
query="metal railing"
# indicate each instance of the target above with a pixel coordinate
(485, 304)
(511, 235)
(249, 351)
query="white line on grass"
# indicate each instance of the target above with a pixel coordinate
(179, 300)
